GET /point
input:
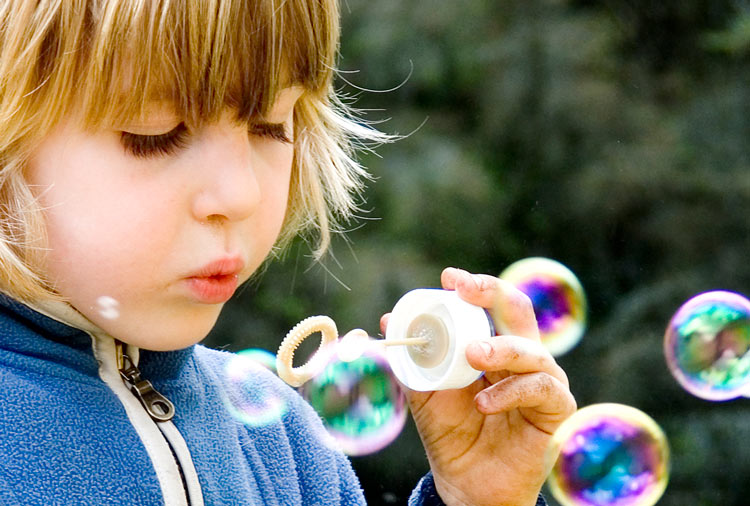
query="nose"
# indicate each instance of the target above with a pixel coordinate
(228, 188)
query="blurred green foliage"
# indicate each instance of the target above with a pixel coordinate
(609, 135)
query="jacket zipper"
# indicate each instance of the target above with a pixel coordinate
(158, 407)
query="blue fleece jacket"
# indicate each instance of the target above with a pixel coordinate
(70, 436)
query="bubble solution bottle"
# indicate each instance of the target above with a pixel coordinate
(427, 335)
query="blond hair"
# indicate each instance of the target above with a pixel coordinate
(63, 56)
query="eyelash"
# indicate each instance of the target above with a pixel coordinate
(275, 131)
(145, 146)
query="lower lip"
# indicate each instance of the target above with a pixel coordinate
(213, 289)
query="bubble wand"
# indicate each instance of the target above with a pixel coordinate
(425, 342)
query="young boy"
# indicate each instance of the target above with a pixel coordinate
(152, 155)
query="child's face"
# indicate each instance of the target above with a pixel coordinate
(151, 246)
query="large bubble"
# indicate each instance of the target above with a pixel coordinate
(609, 455)
(246, 402)
(358, 398)
(558, 299)
(706, 345)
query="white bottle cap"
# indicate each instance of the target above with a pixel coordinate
(449, 324)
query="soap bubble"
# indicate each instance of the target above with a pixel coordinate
(359, 400)
(352, 345)
(261, 356)
(558, 299)
(609, 454)
(706, 345)
(245, 400)
(108, 307)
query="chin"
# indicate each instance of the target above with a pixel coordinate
(167, 343)
(165, 336)
(177, 341)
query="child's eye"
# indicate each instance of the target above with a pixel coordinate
(144, 146)
(275, 131)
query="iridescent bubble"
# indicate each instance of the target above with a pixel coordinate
(359, 400)
(558, 299)
(706, 345)
(263, 357)
(609, 454)
(243, 398)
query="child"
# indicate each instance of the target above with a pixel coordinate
(152, 155)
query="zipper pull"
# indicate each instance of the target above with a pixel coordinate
(156, 405)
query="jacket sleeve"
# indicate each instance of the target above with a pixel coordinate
(425, 494)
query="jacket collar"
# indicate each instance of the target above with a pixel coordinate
(56, 328)
(51, 329)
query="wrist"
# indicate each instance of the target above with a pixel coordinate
(454, 496)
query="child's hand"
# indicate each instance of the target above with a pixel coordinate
(486, 443)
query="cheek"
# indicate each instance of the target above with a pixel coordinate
(99, 234)
(110, 219)
(85, 199)
(276, 180)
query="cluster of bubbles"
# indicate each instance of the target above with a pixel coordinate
(354, 391)
(615, 455)
(707, 345)
(558, 299)
(609, 455)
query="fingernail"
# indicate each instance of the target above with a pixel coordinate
(477, 281)
(467, 280)
(486, 348)
(482, 399)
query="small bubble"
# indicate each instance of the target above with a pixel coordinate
(707, 344)
(609, 455)
(352, 345)
(243, 398)
(558, 299)
(389, 498)
(108, 307)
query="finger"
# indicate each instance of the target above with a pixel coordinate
(384, 323)
(477, 289)
(513, 312)
(511, 309)
(548, 401)
(448, 278)
(515, 354)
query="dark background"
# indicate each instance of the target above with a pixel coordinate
(609, 135)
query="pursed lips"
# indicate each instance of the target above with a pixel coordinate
(216, 282)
